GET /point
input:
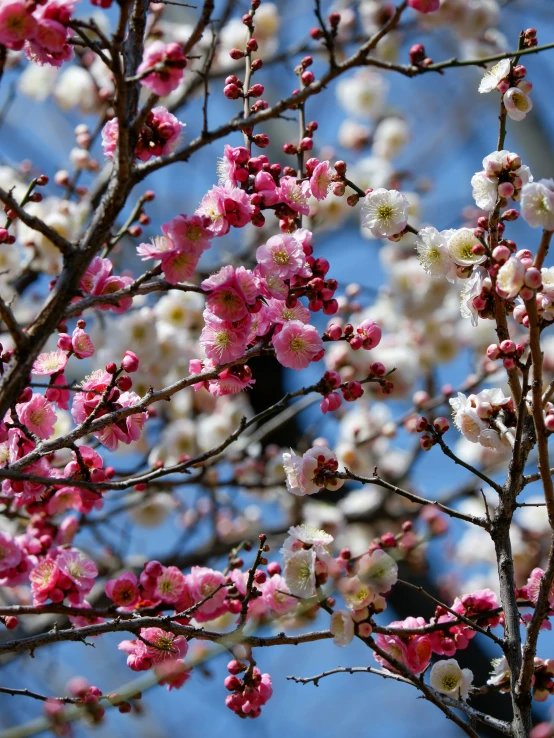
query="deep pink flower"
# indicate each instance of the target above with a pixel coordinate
(225, 207)
(279, 313)
(10, 553)
(49, 363)
(274, 595)
(49, 42)
(265, 187)
(424, 6)
(321, 179)
(223, 341)
(231, 381)
(44, 577)
(37, 415)
(159, 136)
(189, 232)
(124, 590)
(297, 344)
(283, 256)
(232, 168)
(370, 333)
(59, 397)
(172, 58)
(170, 584)
(16, 24)
(65, 498)
(413, 651)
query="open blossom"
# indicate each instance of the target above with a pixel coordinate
(321, 179)
(356, 594)
(82, 344)
(49, 43)
(283, 256)
(278, 312)
(447, 678)
(413, 651)
(223, 341)
(49, 363)
(485, 191)
(274, 596)
(378, 570)
(460, 248)
(44, 577)
(203, 583)
(307, 474)
(156, 647)
(510, 278)
(537, 204)
(123, 590)
(517, 103)
(472, 414)
(77, 567)
(170, 584)
(297, 344)
(342, 627)
(17, 24)
(532, 588)
(37, 415)
(171, 58)
(494, 75)
(294, 194)
(473, 287)
(231, 293)
(385, 212)
(232, 170)
(160, 135)
(225, 207)
(299, 573)
(432, 250)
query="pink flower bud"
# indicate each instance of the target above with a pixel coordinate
(501, 254)
(441, 425)
(549, 422)
(426, 442)
(509, 363)
(533, 278)
(307, 77)
(232, 92)
(130, 362)
(356, 342)
(526, 293)
(364, 630)
(506, 189)
(507, 347)
(493, 352)
(503, 86)
(378, 369)
(334, 332)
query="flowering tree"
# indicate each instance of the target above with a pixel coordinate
(169, 356)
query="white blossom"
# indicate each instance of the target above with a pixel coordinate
(342, 627)
(510, 278)
(494, 75)
(432, 250)
(460, 248)
(517, 103)
(537, 204)
(385, 212)
(447, 678)
(378, 570)
(299, 573)
(485, 191)
(472, 289)
(390, 137)
(363, 93)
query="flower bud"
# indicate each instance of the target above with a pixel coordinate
(130, 362)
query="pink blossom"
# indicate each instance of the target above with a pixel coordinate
(413, 651)
(43, 577)
(173, 673)
(16, 24)
(532, 588)
(178, 265)
(49, 43)
(284, 257)
(159, 136)
(223, 341)
(202, 582)
(424, 6)
(164, 647)
(65, 498)
(169, 584)
(82, 344)
(297, 344)
(266, 189)
(189, 232)
(37, 415)
(231, 381)
(330, 402)
(78, 568)
(225, 207)
(274, 595)
(99, 280)
(321, 179)
(10, 553)
(171, 57)
(123, 590)
(295, 194)
(370, 333)
(279, 313)
(49, 363)
(232, 169)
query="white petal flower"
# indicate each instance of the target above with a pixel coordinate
(390, 137)
(485, 191)
(310, 535)
(494, 75)
(378, 570)
(517, 103)
(356, 593)
(547, 281)
(472, 289)
(460, 248)
(385, 212)
(299, 573)
(537, 204)
(296, 481)
(363, 94)
(447, 678)
(342, 627)
(433, 253)
(500, 674)
(466, 419)
(510, 279)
